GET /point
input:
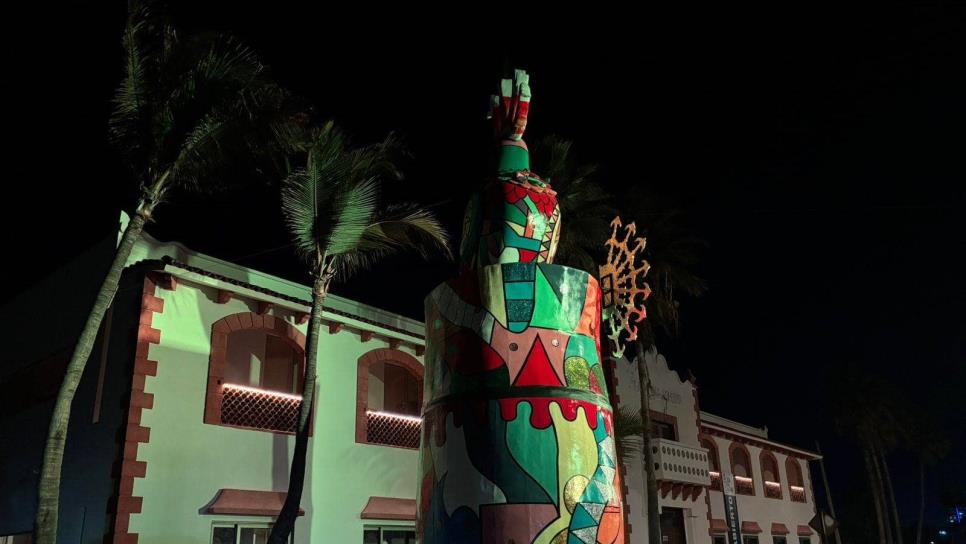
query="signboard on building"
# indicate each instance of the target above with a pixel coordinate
(731, 509)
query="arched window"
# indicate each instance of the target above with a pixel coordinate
(741, 469)
(255, 373)
(714, 465)
(796, 483)
(389, 398)
(256, 358)
(393, 388)
(769, 475)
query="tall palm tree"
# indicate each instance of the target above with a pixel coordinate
(928, 442)
(672, 253)
(339, 225)
(586, 207)
(184, 106)
(877, 418)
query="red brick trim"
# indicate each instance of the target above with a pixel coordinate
(218, 363)
(135, 433)
(736, 446)
(383, 355)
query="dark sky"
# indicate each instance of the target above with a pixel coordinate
(820, 154)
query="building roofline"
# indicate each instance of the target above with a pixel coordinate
(760, 432)
(786, 448)
(197, 267)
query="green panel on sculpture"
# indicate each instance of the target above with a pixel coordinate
(548, 312)
(491, 293)
(532, 447)
(518, 272)
(584, 347)
(519, 290)
(488, 449)
(515, 240)
(516, 216)
(518, 313)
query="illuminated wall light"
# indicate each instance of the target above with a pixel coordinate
(714, 473)
(796, 488)
(414, 419)
(264, 392)
(743, 479)
(774, 484)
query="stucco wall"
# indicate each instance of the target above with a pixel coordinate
(760, 508)
(673, 397)
(188, 461)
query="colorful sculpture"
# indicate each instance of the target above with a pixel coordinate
(517, 443)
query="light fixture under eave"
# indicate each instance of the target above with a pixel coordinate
(414, 419)
(264, 392)
(774, 484)
(743, 479)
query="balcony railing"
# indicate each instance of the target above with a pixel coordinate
(715, 480)
(259, 409)
(393, 429)
(773, 490)
(744, 485)
(677, 462)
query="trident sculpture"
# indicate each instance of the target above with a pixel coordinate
(517, 443)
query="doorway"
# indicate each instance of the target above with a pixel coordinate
(672, 526)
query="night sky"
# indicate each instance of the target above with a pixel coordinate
(820, 154)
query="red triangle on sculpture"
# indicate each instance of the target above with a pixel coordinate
(537, 369)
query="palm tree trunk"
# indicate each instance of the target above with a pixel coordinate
(880, 492)
(285, 523)
(876, 499)
(828, 493)
(653, 516)
(922, 500)
(892, 498)
(48, 489)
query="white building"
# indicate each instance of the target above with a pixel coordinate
(696, 451)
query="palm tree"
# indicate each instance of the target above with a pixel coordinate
(930, 445)
(185, 104)
(628, 430)
(672, 254)
(875, 415)
(339, 225)
(586, 208)
(644, 380)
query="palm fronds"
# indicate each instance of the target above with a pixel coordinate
(628, 432)
(190, 111)
(586, 208)
(334, 211)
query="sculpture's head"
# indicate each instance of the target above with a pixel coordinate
(508, 112)
(515, 217)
